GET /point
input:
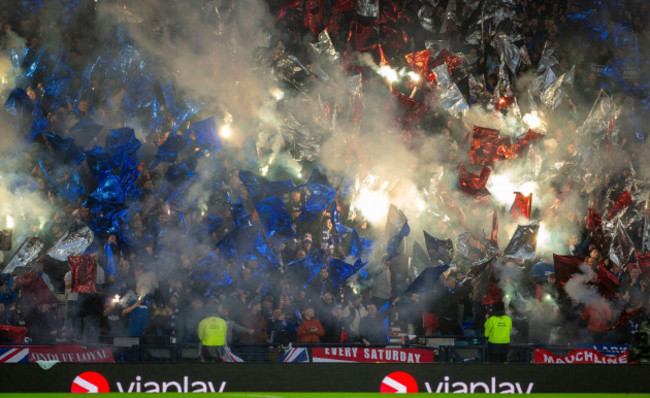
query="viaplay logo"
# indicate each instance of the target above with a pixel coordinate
(93, 382)
(90, 382)
(402, 382)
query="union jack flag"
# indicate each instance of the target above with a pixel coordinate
(14, 355)
(295, 355)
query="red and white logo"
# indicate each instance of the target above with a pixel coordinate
(399, 382)
(90, 382)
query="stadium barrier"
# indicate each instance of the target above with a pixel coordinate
(324, 377)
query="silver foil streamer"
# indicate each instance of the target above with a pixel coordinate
(508, 51)
(535, 160)
(368, 8)
(425, 15)
(525, 58)
(290, 69)
(645, 247)
(23, 260)
(621, 248)
(600, 116)
(547, 60)
(523, 243)
(449, 95)
(543, 81)
(450, 16)
(302, 144)
(73, 242)
(324, 46)
(552, 97)
(477, 90)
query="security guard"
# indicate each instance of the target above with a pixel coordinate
(497, 330)
(212, 333)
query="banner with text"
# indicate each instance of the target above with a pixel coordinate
(364, 354)
(60, 353)
(585, 355)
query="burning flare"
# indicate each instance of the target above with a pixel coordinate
(10, 222)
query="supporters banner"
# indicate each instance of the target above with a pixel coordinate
(364, 354)
(585, 355)
(62, 353)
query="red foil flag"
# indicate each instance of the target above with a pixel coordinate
(419, 61)
(607, 282)
(622, 202)
(473, 183)
(84, 273)
(313, 17)
(343, 5)
(493, 294)
(626, 316)
(520, 146)
(485, 146)
(643, 261)
(565, 267)
(453, 62)
(32, 285)
(15, 333)
(522, 206)
(595, 226)
(494, 236)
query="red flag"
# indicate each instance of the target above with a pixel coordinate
(565, 267)
(622, 202)
(313, 16)
(607, 282)
(32, 285)
(521, 206)
(518, 147)
(494, 236)
(343, 5)
(15, 333)
(84, 273)
(493, 293)
(595, 226)
(626, 316)
(473, 183)
(643, 261)
(452, 61)
(485, 145)
(419, 61)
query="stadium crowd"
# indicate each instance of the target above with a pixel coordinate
(164, 263)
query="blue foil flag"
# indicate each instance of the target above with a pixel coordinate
(39, 123)
(110, 260)
(260, 188)
(19, 104)
(304, 270)
(65, 149)
(262, 252)
(321, 193)
(397, 228)
(274, 217)
(85, 127)
(206, 134)
(120, 143)
(339, 270)
(67, 182)
(440, 251)
(427, 280)
(173, 145)
(98, 160)
(359, 246)
(109, 191)
(587, 19)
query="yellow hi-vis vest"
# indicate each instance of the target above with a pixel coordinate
(212, 331)
(497, 329)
